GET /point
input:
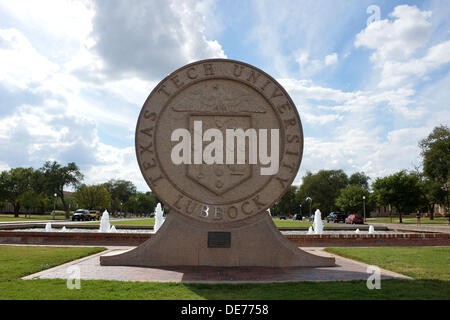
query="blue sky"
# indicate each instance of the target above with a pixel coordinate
(368, 87)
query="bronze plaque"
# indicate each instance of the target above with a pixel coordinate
(219, 239)
(219, 141)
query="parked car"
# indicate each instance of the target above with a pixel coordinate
(282, 218)
(311, 218)
(336, 217)
(354, 219)
(95, 214)
(81, 215)
(297, 217)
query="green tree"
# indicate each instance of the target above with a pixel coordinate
(142, 203)
(432, 193)
(436, 154)
(435, 151)
(288, 204)
(351, 200)
(30, 199)
(323, 188)
(13, 183)
(57, 177)
(401, 190)
(359, 179)
(121, 191)
(93, 197)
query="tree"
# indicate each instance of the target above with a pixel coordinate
(13, 183)
(323, 188)
(57, 177)
(30, 199)
(432, 193)
(436, 164)
(93, 197)
(401, 190)
(121, 191)
(142, 203)
(288, 204)
(436, 154)
(351, 199)
(359, 179)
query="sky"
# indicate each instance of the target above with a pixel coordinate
(369, 78)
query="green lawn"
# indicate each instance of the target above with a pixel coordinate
(435, 221)
(416, 262)
(11, 218)
(16, 262)
(19, 261)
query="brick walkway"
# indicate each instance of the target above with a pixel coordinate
(90, 269)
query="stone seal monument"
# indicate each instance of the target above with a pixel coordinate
(219, 142)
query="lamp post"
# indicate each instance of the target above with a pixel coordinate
(310, 203)
(54, 205)
(301, 213)
(364, 209)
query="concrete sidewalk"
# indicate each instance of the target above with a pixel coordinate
(90, 269)
(413, 227)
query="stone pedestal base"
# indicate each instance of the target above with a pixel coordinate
(184, 242)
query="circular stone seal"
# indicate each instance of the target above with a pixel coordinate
(219, 141)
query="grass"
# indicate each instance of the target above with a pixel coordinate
(424, 221)
(416, 262)
(19, 261)
(11, 218)
(116, 290)
(16, 262)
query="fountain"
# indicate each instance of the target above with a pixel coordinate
(159, 220)
(63, 229)
(113, 229)
(371, 229)
(357, 231)
(318, 224)
(104, 222)
(268, 210)
(48, 227)
(310, 230)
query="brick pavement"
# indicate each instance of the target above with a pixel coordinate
(90, 269)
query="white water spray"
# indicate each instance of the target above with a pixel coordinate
(159, 220)
(104, 222)
(318, 224)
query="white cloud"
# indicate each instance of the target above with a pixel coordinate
(331, 59)
(395, 73)
(309, 67)
(20, 64)
(398, 39)
(133, 44)
(395, 44)
(58, 27)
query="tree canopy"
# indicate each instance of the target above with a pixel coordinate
(57, 177)
(401, 190)
(13, 184)
(121, 191)
(351, 199)
(93, 197)
(323, 188)
(436, 154)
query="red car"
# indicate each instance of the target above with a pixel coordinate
(354, 219)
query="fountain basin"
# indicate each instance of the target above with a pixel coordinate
(95, 238)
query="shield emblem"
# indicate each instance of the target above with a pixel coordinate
(220, 178)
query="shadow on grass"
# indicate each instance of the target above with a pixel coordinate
(116, 290)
